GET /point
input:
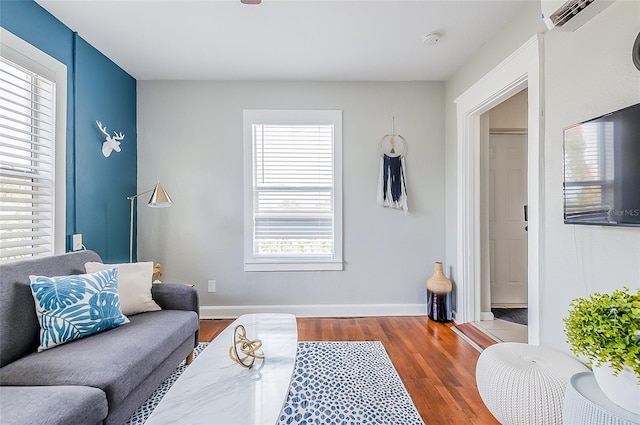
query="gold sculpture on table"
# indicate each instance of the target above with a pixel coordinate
(245, 351)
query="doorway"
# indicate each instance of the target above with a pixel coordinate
(503, 193)
(519, 71)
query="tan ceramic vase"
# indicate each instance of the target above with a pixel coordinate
(438, 283)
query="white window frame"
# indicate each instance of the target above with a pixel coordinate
(291, 117)
(29, 57)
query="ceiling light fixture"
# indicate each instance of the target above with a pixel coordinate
(431, 39)
(250, 1)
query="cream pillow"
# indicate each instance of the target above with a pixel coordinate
(134, 285)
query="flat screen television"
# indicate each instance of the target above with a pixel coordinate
(602, 170)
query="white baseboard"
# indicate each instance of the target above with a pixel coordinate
(326, 310)
(486, 315)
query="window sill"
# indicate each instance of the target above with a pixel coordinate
(292, 266)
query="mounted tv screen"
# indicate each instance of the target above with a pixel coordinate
(602, 170)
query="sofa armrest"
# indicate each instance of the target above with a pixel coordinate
(176, 296)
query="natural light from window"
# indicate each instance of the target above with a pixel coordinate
(26, 164)
(33, 103)
(293, 176)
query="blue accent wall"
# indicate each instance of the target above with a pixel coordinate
(97, 187)
(106, 93)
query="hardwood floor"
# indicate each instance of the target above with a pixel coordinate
(436, 366)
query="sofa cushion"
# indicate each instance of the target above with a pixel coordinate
(116, 361)
(134, 285)
(19, 328)
(72, 307)
(59, 405)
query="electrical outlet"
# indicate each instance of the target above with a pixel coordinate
(212, 285)
(77, 242)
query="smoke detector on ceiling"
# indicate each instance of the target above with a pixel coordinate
(430, 39)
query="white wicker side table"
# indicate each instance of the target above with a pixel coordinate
(524, 384)
(586, 404)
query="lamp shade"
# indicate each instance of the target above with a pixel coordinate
(159, 198)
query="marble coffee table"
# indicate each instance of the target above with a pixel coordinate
(216, 390)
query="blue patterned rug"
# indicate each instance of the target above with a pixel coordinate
(342, 383)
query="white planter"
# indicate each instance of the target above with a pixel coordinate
(623, 390)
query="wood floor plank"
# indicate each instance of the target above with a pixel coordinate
(436, 366)
(209, 329)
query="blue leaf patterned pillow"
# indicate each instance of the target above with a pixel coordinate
(72, 307)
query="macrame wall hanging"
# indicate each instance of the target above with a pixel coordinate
(392, 188)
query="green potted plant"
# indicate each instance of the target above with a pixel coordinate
(605, 328)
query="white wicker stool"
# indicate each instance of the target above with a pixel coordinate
(524, 384)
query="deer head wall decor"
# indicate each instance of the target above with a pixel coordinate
(111, 143)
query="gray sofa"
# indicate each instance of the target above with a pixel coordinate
(102, 378)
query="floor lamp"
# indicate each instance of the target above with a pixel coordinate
(159, 199)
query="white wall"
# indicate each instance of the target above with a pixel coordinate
(510, 114)
(190, 138)
(586, 73)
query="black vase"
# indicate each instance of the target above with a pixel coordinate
(439, 306)
(439, 295)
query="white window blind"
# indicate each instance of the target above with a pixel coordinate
(26, 162)
(295, 195)
(589, 168)
(293, 204)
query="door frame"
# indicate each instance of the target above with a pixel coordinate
(522, 69)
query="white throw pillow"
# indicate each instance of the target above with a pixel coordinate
(134, 285)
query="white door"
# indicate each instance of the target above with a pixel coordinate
(507, 225)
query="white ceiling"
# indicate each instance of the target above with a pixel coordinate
(285, 39)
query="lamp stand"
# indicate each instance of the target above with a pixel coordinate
(159, 199)
(132, 199)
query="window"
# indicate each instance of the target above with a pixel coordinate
(293, 190)
(32, 194)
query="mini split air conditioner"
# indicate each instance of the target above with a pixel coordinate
(570, 15)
